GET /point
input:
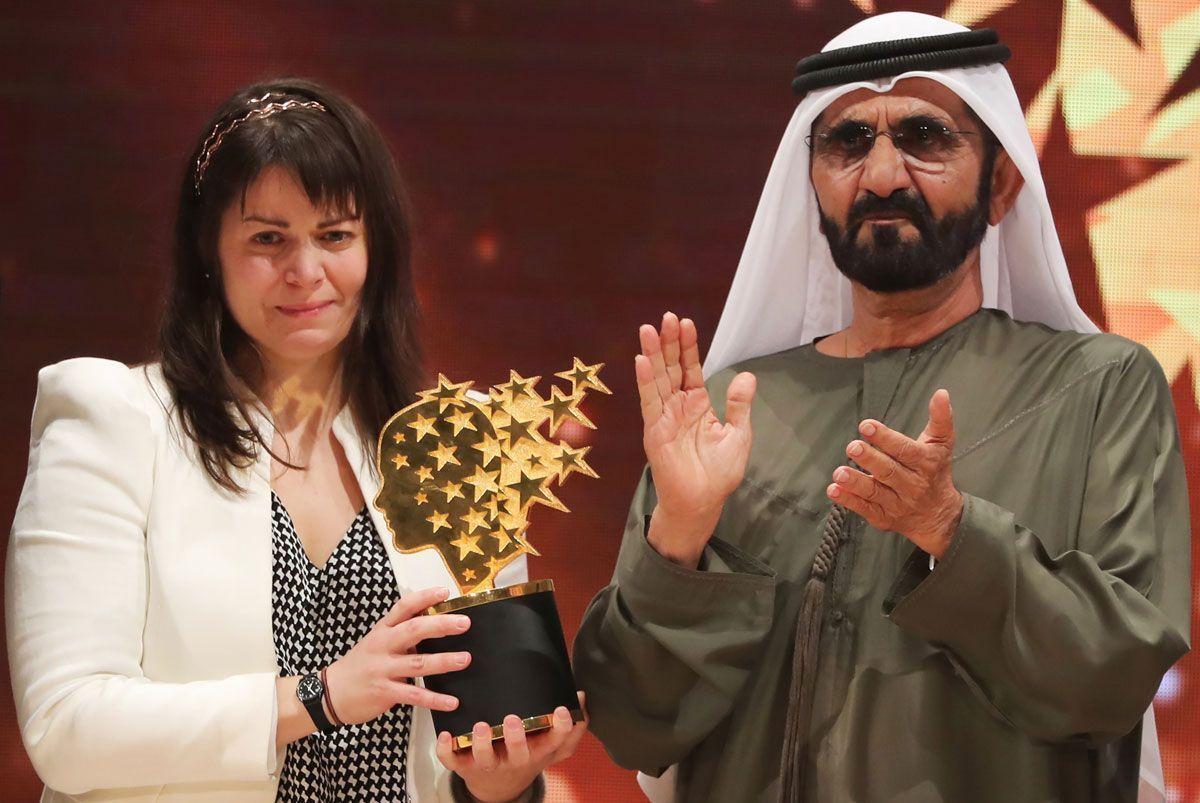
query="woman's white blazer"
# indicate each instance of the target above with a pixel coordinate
(138, 603)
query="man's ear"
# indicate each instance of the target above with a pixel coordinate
(1006, 184)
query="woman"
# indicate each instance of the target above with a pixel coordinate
(187, 604)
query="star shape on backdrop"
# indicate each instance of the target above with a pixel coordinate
(468, 468)
(1073, 201)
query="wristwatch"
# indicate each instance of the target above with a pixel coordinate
(310, 691)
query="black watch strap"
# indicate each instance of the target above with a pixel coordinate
(310, 691)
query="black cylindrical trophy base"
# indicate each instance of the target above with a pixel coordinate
(519, 662)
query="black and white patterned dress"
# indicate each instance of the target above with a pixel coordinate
(318, 615)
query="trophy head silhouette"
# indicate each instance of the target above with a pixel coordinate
(460, 470)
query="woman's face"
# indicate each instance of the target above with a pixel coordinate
(292, 273)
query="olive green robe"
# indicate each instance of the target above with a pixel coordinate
(1018, 669)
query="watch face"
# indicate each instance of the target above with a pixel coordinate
(309, 688)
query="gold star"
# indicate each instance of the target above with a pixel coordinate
(469, 575)
(445, 454)
(461, 420)
(475, 519)
(490, 447)
(439, 520)
(569, 460)
(425, 473)
(483, 482)
(562, 407)
(492, 506)
(467, 544)
(452, 490)
(515, 430)
(446, 393)
(495, 402)
(495, 564)
(502, 537)
(424, 426)
(532, 489)
(518, 385)
(584, 376)
(398, 437)
(399, 461)
(420, 498)
(518, 535)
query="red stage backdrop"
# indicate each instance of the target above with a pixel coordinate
(577, 169)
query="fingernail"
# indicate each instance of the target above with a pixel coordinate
(463, 658)
(841, 475)
(867, 428)
(856, 448)
(461, 622)
(833, 490)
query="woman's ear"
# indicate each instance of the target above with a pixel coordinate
(1006, 185)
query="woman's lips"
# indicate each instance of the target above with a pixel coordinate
(304, 310)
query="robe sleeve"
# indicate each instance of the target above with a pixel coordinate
(664, 651)
(1072, 646)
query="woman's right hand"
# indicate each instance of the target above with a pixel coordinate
(377, 672)
(696, 460)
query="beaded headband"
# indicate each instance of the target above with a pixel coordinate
(214, 139)
(885, 59)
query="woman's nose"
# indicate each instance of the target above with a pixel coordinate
(304, 267)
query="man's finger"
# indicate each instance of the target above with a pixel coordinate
(738, 399)
(670, 349)
(940, 429)
(651, 401)
(864, 486)
(872, 512)
(880, 465)
(901, 448)
(652, 348)
(689, 344)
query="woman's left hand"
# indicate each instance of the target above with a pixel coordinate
(502, 772)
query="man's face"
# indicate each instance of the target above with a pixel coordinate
(900, 215)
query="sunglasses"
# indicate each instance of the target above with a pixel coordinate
(923, 141)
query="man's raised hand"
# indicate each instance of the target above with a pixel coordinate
(696, 459)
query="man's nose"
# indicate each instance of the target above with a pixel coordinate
(884, 170)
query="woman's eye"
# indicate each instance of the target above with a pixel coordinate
(267, 238)
(337, 236)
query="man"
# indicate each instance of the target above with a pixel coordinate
(837, 586)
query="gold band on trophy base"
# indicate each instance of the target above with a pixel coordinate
(531, 725)
(490, 595)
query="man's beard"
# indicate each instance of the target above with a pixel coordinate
(889, 263)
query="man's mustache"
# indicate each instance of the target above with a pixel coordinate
(902, 203)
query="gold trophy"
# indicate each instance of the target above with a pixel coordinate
(460, 472)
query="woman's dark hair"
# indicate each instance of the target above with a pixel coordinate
(341, 160)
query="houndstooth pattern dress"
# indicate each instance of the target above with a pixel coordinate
(318, 615)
